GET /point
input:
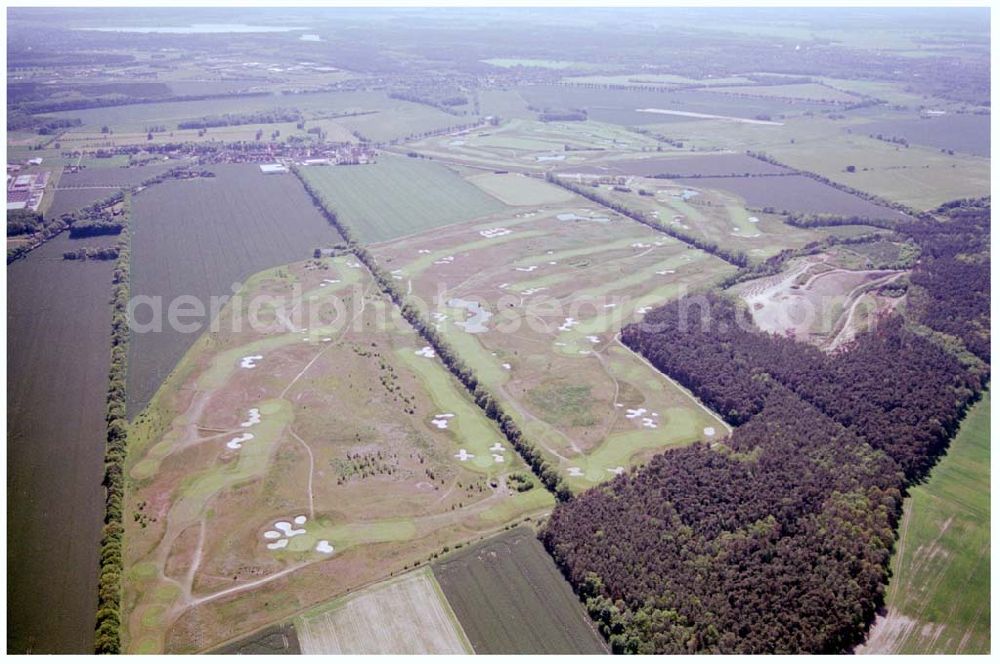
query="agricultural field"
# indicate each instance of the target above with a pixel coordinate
(389, 119)
(404, 616)
(620, 106)
(795, 91)
(399, 196)
(58, 326)
(272, 471)
(197, 238)
(938, 600)
(115, 178)
(817, 300)
(511, 599)
(533, 302)
(961, 133)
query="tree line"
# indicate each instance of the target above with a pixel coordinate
(107, 637)
(778, 539)
(484, 398)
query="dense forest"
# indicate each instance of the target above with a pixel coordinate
(778, 539)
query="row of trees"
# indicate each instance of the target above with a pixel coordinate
(272, 116)
(483, 397)
(737, 258)
(92, 253)
(779, 540)
(108, 620)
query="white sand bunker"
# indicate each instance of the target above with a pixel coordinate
(553, 262)
(633, 413)
(506, 366)
(237, 443)
(426, 351)
(464, 456)
(328, 282)
(280, 544)
(438, 316)
(640, 245)
(495, 232)
(584, 352)
(532, 291)
(323, 546)
(753, 220)
(299, 520)
(649, 423)
(447, 260)
(663, 273)
(503, 285)
(593, 339)
(709, 431)
(286, 528)
(327, 339)
(618, 470)
(612, 305)
(250, 361)
(441, 420)
(423, 251)
(574, 472)
(353, 265)
(643, 310)
(497, 447)
(568, 324)
(253, 417)
(530, 268)
(498, 458)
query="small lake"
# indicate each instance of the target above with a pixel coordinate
(477, 322)
(196, 29)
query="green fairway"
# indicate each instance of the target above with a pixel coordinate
(397, 197)
(939, 597)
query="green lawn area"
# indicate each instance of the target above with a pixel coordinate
(940, 590)
(399, 196)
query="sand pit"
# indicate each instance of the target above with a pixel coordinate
(299, 520)
(530, 268)
(426, 351)
(593, 339)
(498, 458)
(506, 366)
(644, 310)
(464, 456)
(423, 251)
(633, 413)
(441, 421)
(709, 431)
(476, 324)
(250, 361)
(280, 544)
(617, 470)
(568, 324)
(447, 260)
(495, 232)
(497, 447)
(286, 528)
(237, 442)
(574, 472)
(272, 534)
(532, 291)
(253, 417)
(323, 546)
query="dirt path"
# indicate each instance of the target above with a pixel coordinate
(312, 464)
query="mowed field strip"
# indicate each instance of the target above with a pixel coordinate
(288, 461)
(938, 600)
(404, 616)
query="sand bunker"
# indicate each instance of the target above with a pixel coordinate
(299, 520)
(423, 251)
(506, 366)
(237, 443)
(574, 472)
(495, 232)
(618, 470)
(643, 310)
(280, 544)
(286, 528)
(250, 361)
(441, 420)
(426, 351)
(497, 447)
(253, 417)
(498, 458)
(640, 245)
(530, 268)
(323, 546)
(593, 339)
(447, 260)
(532, 291)
(568, 324)
(272, 534)
(464, 456)
(709, 431)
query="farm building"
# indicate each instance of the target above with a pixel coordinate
(271, 169)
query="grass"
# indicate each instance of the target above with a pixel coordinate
(511, 599)
(940, 590)
(397, 197)
(515, 189)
